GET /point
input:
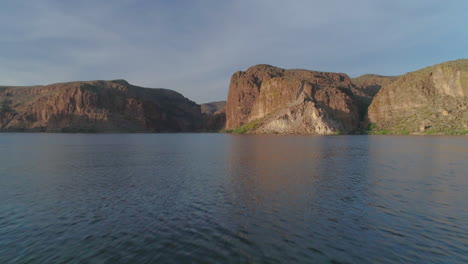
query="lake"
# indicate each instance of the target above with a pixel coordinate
(220, 198)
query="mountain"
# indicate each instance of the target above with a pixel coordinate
(268, 99)
(97, 106)
(433, 100)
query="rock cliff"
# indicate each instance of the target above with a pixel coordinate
(268, 99)
(96, 106)
(433, 100)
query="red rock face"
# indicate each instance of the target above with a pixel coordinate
(263, 90)
(96, 106)
(243, 91)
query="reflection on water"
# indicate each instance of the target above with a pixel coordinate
(214, 198)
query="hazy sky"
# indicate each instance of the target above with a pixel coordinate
(194, 47)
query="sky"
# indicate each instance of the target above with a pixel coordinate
(194, 46)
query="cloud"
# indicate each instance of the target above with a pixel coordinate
(193, 47)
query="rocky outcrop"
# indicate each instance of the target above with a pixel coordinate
(97, 106)
(214, 115)
(267, 99)
(430, 100)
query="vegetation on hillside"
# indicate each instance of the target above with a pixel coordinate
(244, 129)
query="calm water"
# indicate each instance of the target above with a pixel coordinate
(215, 198)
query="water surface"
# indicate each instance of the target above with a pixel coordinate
(216, 198)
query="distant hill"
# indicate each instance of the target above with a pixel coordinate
(214, 107)
(370, 84)
(214, 115)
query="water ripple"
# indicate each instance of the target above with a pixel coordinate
(209, 198)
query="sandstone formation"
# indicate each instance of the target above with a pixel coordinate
(267, 99)
(97, 106)
(432, 100)
(214, 114)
